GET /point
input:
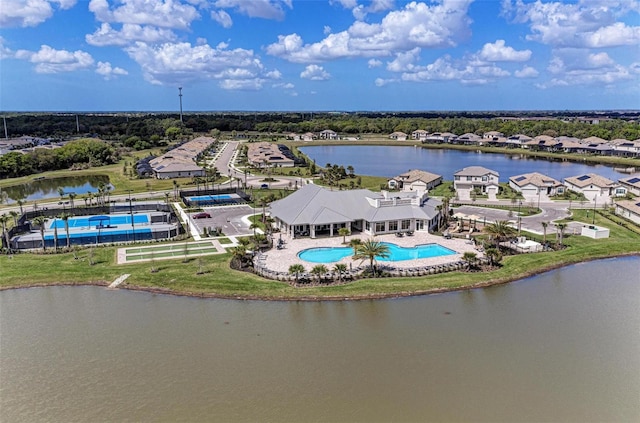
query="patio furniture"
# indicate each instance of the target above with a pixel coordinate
(399, 234)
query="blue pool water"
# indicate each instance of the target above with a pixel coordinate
(123, 219)
(91, 235)
(396, 253)
(216, 197)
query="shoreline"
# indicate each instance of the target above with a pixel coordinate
(317, 298)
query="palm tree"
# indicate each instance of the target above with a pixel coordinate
(40, 221)
(371, 249)
(61, 193)
(4, 219)
(340, 269)
(72, 196)
(544, 231)
(493, 255)
(55, 236)
(14, 214)
(561, 228)
(499, 231)
(65, 218)
(239, 253)
(20, 203)
(343, 232)
(296, 269)
(470, 257)
(319, 270)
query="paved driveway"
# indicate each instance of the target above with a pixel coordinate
(229, 218)
(530, 223)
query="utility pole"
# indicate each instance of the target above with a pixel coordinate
(77, 125)
(6, 135)
(180, 96)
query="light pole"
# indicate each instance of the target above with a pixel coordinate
(595, 200)
(133, 229)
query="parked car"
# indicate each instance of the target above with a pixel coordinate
(202, 215)
(264, 186)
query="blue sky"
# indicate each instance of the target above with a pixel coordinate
(110, 55)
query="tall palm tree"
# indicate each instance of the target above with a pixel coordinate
(65, 218)
(493, 255)
(296, 270)
(55, 236)
(561, 228)
(20, 203)
(40, 221)
(319, 270)
(544, 231)
(61, 193)
(14, 215)
(238, 254)
(4, 218)
(499, 231)
(72, 196)
(371, 249)
(470, 258)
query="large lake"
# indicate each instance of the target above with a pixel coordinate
(562, 346)
(389, 161)
(48, 188)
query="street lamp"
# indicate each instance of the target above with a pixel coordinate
(595, 200)
(133, 229)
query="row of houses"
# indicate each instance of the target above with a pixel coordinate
(182, 161)
(266, 154)
(591, 145)
(532, 186)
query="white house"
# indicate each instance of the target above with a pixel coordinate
(315, 211)
(632, 184)
(536, 186)
(415, 180)
(595, 187)
(419, 134)
(328, 134)
(398, 136)
(476, 177)
(629, 209)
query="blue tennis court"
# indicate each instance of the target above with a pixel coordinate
(86, 221)
(212, 199)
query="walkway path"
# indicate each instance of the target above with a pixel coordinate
(118, 281)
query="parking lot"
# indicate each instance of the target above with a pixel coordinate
(229, 218)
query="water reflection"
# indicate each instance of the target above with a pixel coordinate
(48, 188)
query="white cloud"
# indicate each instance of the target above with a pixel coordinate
(222, 18)
(107, 71)
(499, 52)
(416, 25)
(583, 24)
(267, 9)
(526, 72)
(404, 61)
(129, 34)
(5, 52)
(347, 4)
(374, 63)
(326, 30)
(160, 13)
(447, 69)
(315, 73)
(274, 74)
(283, 85)
(23, 13)
(176, 63)
(582, 67)
(49, 60)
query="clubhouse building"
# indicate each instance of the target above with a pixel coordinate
(314, 211)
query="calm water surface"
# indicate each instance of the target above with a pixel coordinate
(563, 346)
(389, 161)
(48, 188)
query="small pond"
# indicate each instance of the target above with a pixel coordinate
(48, 187)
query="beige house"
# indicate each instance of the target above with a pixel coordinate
(535, 186)
(265, 154)
(632, 184)
(398, 136)
(476, 177)
(629, 209)
(595, 187)
(415, 180)
(419, 134)
(181, 161)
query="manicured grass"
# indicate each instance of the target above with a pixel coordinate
(220, 280)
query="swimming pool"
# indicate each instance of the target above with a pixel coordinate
(121, 219)
(396, 253)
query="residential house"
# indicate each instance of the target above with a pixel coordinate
(181, 161)
(415, 180)
(308, 136)
(476, 177)
(469, 139)
(419, 134)
(440, 138)
(542, 143)
(536, 186)
(517, 140)
(629, 209)
(265, 154)
(595, 187)
(632, 184)
(328, 134)
(315, 211)
(398, 136)
(492, 135)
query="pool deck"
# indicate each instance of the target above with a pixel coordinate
(280, 260)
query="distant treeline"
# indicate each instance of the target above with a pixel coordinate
(147, 129)
(80, 153)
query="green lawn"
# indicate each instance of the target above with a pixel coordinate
(220, 280)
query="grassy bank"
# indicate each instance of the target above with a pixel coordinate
(218, 280)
